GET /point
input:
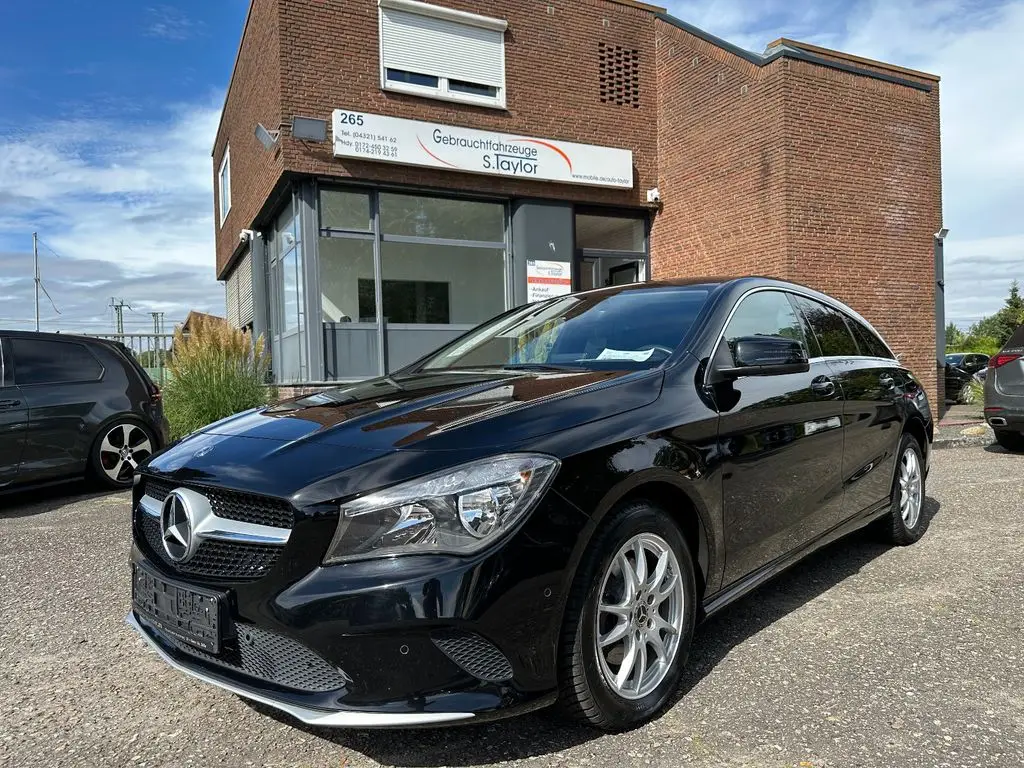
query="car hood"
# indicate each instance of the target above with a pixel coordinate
(282, 448)
(445, 410)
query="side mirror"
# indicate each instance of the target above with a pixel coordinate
(766, 356)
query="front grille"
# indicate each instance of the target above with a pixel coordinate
(475, 655)
(268, 656)
(219, 559)
(234, 505)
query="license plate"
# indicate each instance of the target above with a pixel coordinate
(193, 616)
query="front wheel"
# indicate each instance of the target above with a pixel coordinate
(967, 395)
(119, 450)
(906, 522)
(629, 622)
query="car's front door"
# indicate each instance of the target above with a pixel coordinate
(872, 417)
(60, 384)
(13, 420)
(782, 443)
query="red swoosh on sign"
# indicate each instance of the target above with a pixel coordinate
(420, 142)
(551, 147)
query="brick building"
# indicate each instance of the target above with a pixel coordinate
(465, 157)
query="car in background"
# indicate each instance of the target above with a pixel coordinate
(1004, 393)
(963, 368)
(74, 406)
(537, 513)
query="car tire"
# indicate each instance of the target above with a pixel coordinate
(120, 446)
(905, 523)
(654, 614)
(1011, 441)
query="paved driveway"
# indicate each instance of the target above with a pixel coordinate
(861, 656)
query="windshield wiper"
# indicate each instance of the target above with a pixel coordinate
(540, 367)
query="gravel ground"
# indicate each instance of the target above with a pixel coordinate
(860, 656)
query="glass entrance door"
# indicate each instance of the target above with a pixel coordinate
(610, 250)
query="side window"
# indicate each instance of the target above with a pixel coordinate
(830, 329)
(53, 362)
(765, 313)
(868, 341)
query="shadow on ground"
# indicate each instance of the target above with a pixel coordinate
(41, 500)
(536, 735)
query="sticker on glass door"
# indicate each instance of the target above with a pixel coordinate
(545, 279)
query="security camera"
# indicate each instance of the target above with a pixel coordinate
(941, 234)
(245, 236)
(654, 195)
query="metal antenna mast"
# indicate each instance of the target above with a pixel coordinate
(35, 260)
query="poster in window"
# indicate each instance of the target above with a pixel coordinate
(545, 279)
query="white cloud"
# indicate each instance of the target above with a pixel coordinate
(976, 50)
(137, 197)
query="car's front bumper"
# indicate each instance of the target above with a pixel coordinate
(337, 718)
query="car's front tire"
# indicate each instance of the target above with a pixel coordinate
(1011, 441)
(906, 522)
(629, 621)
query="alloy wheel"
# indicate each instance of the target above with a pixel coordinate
(122, 449)
(967, 395)
(910, 487)
(639, 616)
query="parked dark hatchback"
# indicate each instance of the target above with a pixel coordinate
(73, 406)
(538, 513)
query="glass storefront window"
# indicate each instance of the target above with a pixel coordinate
(344, 209)
(609, 233)
(441, 218)
(441, 284)
(345, 265)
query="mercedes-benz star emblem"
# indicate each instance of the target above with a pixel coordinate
(176, 526)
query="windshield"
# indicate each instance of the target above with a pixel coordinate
(954, 359)
(630, 329)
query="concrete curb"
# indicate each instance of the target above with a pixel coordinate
(955, 438)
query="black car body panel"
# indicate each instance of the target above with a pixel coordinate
(49, 429)
(754, 470)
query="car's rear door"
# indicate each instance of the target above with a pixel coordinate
(782, 445)
(1008, 370)
(60, 382)
(872, 416)
(13, 420)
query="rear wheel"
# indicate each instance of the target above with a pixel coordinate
(118, 451)
(629, 621)
(1011, 441)
(967, 395)
(906, 522)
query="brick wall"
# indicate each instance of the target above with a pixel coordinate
(253, 97)
(330, 60)
(803, 172)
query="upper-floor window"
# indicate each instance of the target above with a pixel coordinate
(224, 184)
(442, 53)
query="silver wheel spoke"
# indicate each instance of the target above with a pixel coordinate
(667, 589)
(654, 638)
(659, 572)
(661, 624)
(620, 631)
(628, 661)
(628, 578)
(640, 568)
(106, 446)
(641, 664)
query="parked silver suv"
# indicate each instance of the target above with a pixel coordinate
(1004, 393)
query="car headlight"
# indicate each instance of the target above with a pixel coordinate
(458, 511)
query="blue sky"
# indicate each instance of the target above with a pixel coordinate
(108, 110)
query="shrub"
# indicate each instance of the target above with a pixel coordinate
(216, 371)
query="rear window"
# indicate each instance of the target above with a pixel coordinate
(39, 361)
(830, 329)
(1016, 341)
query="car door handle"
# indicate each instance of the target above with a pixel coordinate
(9, 403)
(823, 386)
(887, 381)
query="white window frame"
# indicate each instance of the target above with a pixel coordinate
(224, 185)
(442, 92)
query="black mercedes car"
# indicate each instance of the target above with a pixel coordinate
(74, 406)
(538, 513)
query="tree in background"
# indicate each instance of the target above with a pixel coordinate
(988, 335)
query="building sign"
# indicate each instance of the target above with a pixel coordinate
(411, 142)
(545, 279)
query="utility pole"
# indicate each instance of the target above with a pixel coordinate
(156, 322)
(35, 260)
(118, 306)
